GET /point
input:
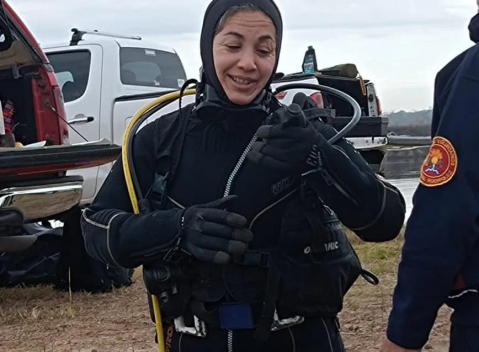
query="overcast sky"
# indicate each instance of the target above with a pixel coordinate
(398, 44)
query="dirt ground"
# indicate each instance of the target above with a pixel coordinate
(44, 320)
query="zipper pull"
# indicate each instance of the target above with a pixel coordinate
(326, 177)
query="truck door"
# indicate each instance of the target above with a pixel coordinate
(79, 73)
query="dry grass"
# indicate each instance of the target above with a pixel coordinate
(44, 320)
(378, 257)
(367, 307)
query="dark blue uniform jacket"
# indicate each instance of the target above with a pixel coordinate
(440, 259)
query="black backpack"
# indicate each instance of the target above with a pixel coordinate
(77, 270)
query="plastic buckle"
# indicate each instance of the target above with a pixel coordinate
(260, 259)
(253, 258)
(279, 324)
(199, 330)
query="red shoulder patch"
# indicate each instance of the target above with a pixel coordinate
(440, 165)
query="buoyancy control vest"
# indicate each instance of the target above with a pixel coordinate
(305, 271)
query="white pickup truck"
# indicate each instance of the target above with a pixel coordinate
(107, 78)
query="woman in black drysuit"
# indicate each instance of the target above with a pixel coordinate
(241, 197)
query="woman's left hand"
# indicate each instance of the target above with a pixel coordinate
(291, 144)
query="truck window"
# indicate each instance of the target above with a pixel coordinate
(72, 70)
(151, 68)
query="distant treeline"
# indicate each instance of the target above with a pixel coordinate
(412, 123)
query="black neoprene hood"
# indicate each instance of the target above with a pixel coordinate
(213, 14)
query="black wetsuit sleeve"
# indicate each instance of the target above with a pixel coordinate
(112, 233)
(368, 205)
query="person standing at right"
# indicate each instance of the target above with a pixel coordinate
(440, 258)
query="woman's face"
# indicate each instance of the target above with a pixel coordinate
(244, 54)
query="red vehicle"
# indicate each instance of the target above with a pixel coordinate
(35, 153)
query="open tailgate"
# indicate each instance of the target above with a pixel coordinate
(48, 159)
(20, 47)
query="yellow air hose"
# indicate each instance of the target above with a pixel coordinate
(131, 189)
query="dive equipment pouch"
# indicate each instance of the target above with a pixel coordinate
(319, 263)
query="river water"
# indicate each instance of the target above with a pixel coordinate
(407, 186)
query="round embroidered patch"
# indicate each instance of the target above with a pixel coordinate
(440, 165)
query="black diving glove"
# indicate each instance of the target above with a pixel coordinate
(212, 234)
(293, 144)
(290, 143)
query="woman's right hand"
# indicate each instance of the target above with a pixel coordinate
(212, 234)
